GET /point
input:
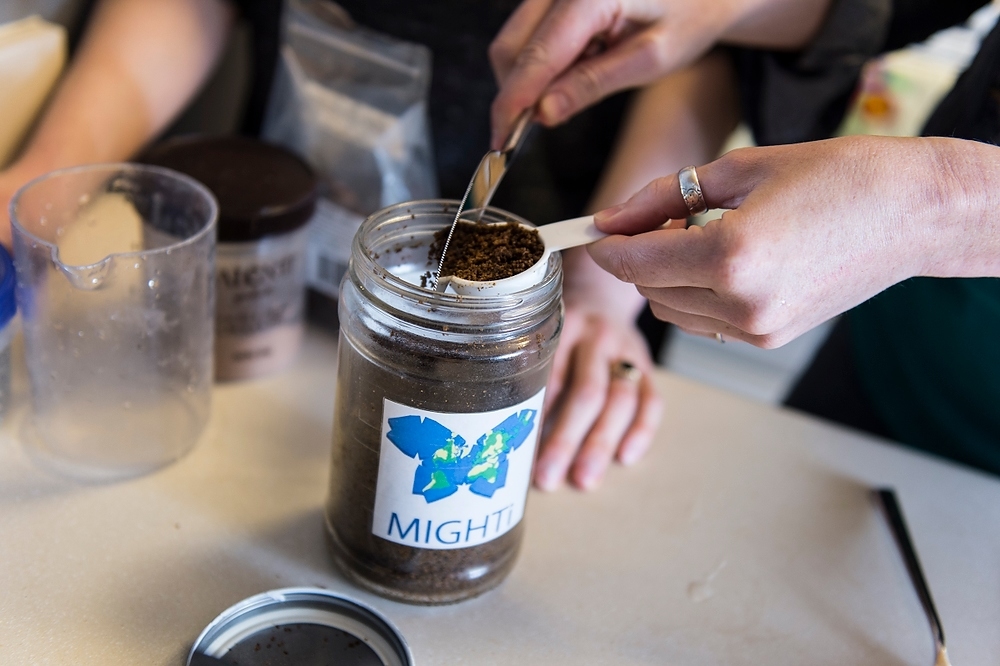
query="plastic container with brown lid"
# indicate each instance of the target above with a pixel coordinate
(266, 196)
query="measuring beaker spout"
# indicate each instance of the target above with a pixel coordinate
(89, 277)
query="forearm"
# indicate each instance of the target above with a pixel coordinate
(781, 25)
(139, 64)
(962, 233)
(682, 119)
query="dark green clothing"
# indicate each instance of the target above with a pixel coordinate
(925, 351)
(928, 359)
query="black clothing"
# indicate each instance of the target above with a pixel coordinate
(264, 17)
(557, 170)
(831, 388)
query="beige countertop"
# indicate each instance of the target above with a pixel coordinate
(745, 537)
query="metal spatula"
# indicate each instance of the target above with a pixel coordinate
(485, 181)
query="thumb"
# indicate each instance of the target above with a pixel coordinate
(725, 183)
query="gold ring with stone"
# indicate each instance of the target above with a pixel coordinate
(624, 370)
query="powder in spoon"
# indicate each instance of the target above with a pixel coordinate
(487, 252)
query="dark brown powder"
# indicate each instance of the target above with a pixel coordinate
(301, 644)
(487, 252)
(472, 378)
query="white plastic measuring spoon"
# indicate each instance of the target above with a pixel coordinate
(555, 237)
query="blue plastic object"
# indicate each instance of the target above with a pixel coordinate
(8, 306)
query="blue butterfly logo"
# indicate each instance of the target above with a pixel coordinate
(448, 462)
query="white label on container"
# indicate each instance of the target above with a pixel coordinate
(450, 480)
(331, 232)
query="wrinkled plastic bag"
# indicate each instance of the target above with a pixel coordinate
(352, 103)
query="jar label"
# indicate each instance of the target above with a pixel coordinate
(448, 480)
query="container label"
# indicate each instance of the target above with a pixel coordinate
(449, 480)
(331, 231)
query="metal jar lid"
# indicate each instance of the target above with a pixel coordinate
(302, 627)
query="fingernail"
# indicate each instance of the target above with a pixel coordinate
(546, 478)
(589, 476)
(608, 213)
(553, 107)
(629, 455)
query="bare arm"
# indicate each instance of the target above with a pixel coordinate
(680, 120)
(138, 65)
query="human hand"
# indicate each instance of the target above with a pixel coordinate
(567, 54)
(815, 229)
(594, 417)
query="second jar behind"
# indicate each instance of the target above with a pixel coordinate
(438, 412)
(266, 196)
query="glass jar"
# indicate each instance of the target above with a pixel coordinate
(438, 412)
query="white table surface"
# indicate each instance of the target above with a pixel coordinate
(745, 537)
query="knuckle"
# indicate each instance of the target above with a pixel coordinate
(641, 435)
(732, 254)
(758, 320)
(739, 157)
(653, 401)
(587, 84)
(728, 272)
(558, 444)
(624, 268)
(500, 53)
(629, 269)
(535, 54)
(662, 189)
(770, 341)
(556, 453)
(598, 440)
(653, 50)
(601, 331)
(588, 394)
(663, 313)
(649, 293)
(499, 108)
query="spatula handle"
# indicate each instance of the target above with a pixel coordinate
(570, 233)
(897, 525)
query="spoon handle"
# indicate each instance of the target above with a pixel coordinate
(519, 131)
(570, 233)
(894, 515)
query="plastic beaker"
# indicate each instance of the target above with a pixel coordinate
(115, 285)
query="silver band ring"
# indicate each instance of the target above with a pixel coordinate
(691, 191)
(722, 340)
(625, 370)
